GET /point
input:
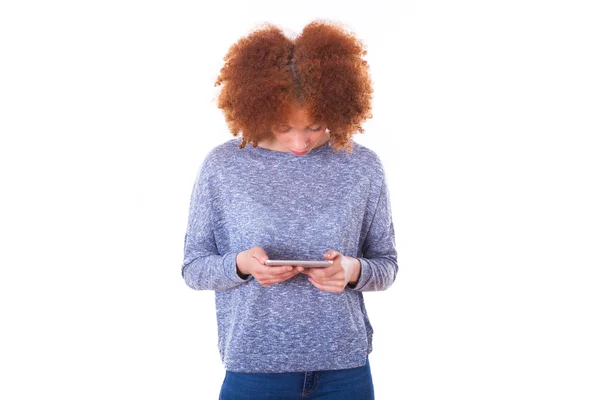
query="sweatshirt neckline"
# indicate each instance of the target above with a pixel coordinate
(286, 154)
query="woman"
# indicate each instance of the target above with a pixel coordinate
(303, 190)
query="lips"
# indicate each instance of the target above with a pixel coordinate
(296, 153)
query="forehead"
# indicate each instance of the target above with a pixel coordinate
(299, 116)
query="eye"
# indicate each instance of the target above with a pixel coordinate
(315, 130)
(283, 129)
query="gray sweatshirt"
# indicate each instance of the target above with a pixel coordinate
(295, 207)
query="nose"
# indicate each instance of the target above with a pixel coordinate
(300, 142)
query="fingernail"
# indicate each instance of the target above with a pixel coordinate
(290, 268)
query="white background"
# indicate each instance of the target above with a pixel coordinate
(486, 117)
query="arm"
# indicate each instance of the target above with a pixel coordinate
(203, 267)
(378, 264)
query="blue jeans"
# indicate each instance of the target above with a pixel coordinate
(346, 384)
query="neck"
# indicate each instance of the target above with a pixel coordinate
(272, 143)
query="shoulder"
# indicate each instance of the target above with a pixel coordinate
(222, 154)
(366, 160)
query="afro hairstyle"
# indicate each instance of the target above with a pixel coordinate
(266, 73)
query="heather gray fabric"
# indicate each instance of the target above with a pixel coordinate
(295, 208)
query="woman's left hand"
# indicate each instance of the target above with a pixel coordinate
(335, 277)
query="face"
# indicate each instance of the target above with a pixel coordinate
(299, 135)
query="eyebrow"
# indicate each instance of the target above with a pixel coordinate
(286, 124)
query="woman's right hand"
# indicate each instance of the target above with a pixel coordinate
(251, 262)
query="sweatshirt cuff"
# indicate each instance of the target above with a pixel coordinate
(365, 275)
(231, 268)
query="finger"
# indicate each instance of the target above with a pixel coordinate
(330, 272)
(285, 277)
(260, 257)
(315, 273)
(339, 281)
(331, 254)
(330, 281)
(338, 288)
(280, 278)
(276, 271)
(323, 273)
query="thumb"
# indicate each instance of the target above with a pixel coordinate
(260, 254)
(331, 254)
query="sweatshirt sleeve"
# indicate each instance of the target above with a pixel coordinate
(378, 263)
(203, 267)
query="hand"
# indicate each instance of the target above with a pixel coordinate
(334, 278)
(252, 262)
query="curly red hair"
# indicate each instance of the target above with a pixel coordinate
(322, 69)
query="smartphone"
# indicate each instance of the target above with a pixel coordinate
(300, 263)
